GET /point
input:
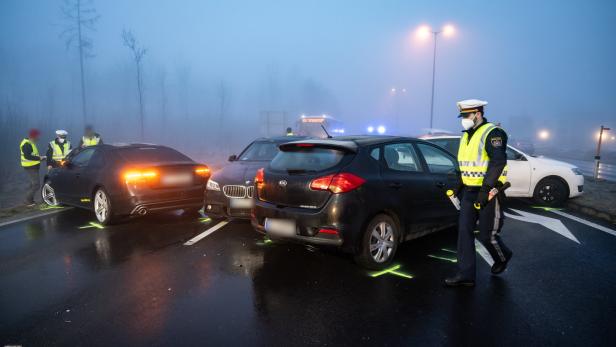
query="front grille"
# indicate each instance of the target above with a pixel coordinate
(234, 191)
(249, 191)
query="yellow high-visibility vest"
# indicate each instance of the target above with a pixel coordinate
(57, 150)
(27, 162)
(90, 141)
(473, 157)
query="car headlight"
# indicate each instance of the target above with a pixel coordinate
(212, 185)
(577, 171)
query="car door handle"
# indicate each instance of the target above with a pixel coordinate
(440, 184)
(395, 185)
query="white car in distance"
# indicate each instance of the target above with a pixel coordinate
(549, 182)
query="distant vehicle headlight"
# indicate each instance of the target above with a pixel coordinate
(577, 171)
(212, 185)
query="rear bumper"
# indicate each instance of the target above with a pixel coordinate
(341, 212)
(159, 201)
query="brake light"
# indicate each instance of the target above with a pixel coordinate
(305, 145)
(202, 171)
(140, 176)
(260, 177)
(339, 183)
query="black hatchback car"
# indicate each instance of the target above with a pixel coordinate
(230, 190)
(364, 194)
(127, 180)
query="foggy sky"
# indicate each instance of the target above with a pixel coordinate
(539, 64)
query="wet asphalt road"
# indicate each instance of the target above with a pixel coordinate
(137, 284)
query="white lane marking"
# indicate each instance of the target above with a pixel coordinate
(205, 233)
(583, 221)
(483, 252)
(550, 223)
(43, 214)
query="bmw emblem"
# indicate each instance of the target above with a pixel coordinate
(282, 183)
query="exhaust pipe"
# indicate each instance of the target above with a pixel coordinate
(142, 211)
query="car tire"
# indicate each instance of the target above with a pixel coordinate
(48, 195)
(379, 243)
(103, 209)
(551, 192)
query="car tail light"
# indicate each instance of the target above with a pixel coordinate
(305, 145)
(339, 183)
(140, 176)
(328, 231)
(202, 171)
(260, 178)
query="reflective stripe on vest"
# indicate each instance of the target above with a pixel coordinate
(90, 141)
(27, 162)
(473, 157)
(58, 154)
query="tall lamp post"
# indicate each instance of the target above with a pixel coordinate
(424, 32)
(598, 155)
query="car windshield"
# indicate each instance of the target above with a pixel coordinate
(142, 155)
(259, 151)
(306, 159)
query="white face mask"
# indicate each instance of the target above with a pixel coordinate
(61, 140)
(468, 123)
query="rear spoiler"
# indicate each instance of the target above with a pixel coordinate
(349, 146)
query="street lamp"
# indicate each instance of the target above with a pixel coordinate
(424, 32)
(544, 134)
(598, 156)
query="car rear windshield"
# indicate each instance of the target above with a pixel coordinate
(260, 151)
(144, 155)
(306, 159)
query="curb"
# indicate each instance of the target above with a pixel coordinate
(590, 211)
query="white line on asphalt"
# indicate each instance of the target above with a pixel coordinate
(553, 224)
(53, 211)
(205, 233)
(483, 252)
(583, 221)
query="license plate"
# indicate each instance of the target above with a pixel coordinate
(241, 203)
(176, 179)
(280, 227)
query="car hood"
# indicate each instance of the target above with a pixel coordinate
(551, 162)
(238, 172)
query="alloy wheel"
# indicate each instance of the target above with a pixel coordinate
(49, 195)
(101, 206)
(382, 242)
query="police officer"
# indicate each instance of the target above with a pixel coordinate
(58, 149)
(31, 162)
(90, 138)
(483, 164)
(289, 131)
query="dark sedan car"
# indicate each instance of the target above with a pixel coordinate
(365, 194)
(230, 191)
(127, 180)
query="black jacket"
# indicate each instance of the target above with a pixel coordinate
(496, 147)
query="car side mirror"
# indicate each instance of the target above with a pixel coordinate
(520, 156)
(233, 157)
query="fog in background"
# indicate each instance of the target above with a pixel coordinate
(212, 70)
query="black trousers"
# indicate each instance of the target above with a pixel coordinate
(490, 219)
(33, 183)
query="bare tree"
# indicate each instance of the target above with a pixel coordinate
(138, 53)
(80, 16)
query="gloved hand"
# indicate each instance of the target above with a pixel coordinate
(482, 196)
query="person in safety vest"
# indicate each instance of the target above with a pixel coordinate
(483, 165)
(289, 132)
(90, 138)
(31, 162)
(58, 149)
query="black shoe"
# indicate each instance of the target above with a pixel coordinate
(457, 281)
(500, 266)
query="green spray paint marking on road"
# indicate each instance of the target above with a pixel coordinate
(92, 225)
(266, 241)
(547, 208)
(443, 258)
(447, 250)
(392, 270)
(205, 220)
(43, 208)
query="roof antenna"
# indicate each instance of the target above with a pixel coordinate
(328, 135)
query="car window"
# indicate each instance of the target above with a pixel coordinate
(97, 159)
(146, 155)
(83, 157)
(513, 154)
(451, 145)
(307, 159)
(401, 157)
(375, 153)
(438, 160)
(259, 151)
